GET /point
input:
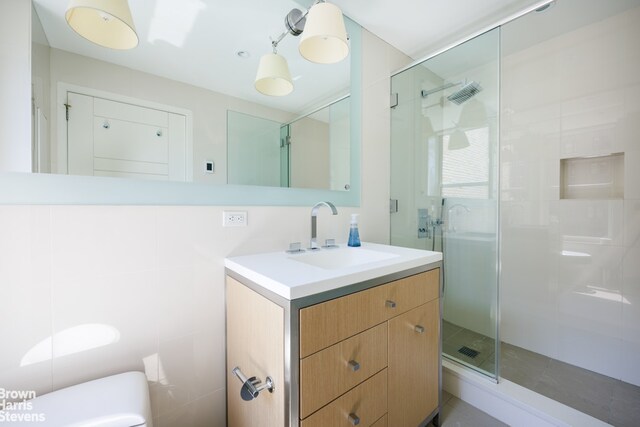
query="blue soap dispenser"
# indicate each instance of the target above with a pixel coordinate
(354, 236)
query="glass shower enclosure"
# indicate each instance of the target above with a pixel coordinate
(444, 177)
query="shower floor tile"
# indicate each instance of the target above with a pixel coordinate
(454, 338)
(608, 399)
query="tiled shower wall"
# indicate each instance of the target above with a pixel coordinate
(570, 283)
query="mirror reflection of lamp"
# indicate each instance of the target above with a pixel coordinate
(107, 23)
(473, 115)
(458, 140)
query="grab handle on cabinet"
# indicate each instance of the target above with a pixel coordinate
(251, 387)
(390, 304)
(419, 329)
(354, 365)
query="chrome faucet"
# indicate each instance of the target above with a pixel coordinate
(314, 221)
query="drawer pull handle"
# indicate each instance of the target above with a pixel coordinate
(390, 304)
(354, 419)
(419, 329)
(251, 387)
(354, 365)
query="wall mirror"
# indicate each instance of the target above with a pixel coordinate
(182, 67)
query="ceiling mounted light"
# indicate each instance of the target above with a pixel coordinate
(107, 23)
(273, 77)
(324, 39)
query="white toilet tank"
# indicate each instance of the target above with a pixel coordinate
(117, 401)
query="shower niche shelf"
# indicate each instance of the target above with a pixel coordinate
(597, 177)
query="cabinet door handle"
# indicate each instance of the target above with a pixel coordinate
(419, 329)
(354, 419)
(354, 365)
(390, 304)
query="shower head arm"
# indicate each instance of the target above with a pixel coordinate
(424, 93)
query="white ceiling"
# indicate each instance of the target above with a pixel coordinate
(418, 27)
(195, 41)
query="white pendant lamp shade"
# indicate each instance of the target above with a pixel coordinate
(324, 40)
(458, 140)
(107, 23)
(273, 76)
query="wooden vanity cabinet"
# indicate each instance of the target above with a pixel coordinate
(366, 354)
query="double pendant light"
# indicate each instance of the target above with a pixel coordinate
(324, 41)
(107, 23)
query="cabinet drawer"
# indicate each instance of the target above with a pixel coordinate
(329, 373)
(367, 402)
(382, 422)
(324, 324)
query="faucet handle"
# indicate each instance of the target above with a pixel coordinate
(330, 243)
(295, 248)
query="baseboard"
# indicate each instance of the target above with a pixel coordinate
(509, 402)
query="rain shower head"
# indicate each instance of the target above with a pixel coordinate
(467, 91)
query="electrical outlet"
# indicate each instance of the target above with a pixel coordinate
(234, 218)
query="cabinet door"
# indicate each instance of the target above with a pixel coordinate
(255, 344)
(413, 365)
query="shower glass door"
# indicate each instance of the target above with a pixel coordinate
(444, 159)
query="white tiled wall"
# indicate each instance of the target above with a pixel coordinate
(155, 276)
(570, 282)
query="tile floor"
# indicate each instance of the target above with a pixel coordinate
(602, 397)
(457, 413)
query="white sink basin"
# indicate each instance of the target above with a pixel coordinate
(295, 276)
(336, 258)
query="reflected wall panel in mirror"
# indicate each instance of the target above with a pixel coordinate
(309, 152)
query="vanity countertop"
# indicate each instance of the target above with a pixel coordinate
(300, 275)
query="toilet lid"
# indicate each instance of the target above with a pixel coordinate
(117, 401)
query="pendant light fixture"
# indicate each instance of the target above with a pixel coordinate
(273, 76)
(324, 40)
(107, 23)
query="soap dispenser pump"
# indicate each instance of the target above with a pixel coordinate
(354, 235)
